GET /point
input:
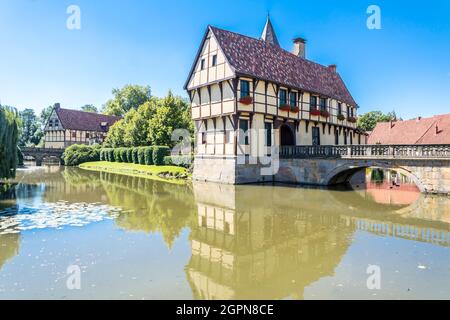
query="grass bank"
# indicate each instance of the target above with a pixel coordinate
(164, 173)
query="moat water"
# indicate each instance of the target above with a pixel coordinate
(66, 233)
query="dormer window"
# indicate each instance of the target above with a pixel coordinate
(283, 97)
(202, 64)
(214, 60)
(339, 108)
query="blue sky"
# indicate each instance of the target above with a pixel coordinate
(405, 66)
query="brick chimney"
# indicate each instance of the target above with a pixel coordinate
(299, 47)
(333, 67)
(57, 105)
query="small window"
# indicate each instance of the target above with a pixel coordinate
(87, 135)
(214, 60)
(339, 108)
(268, 128)
(56, 123)
(345, 137)
(283, 97)
(323, 104)
(293, 99)
(348, 111)
(203, 137)
(50, 123)
(202, 64)
(313, 103)
(245, 88)
(243, 126)
(336, 137)
(74, 134)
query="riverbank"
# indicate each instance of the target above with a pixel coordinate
(165, 173)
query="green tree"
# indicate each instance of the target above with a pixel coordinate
(369, 120)
(45, 115)
(89, 108)
(127, 98)
(116, 134)
(30, 128)
(151, 124)
(171, 113)
(9, 138)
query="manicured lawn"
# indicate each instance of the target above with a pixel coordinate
(166, 173)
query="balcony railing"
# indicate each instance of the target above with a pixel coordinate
(367, 152)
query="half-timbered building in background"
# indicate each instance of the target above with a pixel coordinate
(66, 127)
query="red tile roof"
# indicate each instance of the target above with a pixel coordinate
(84, 121)
(434, 130)
(263, 60)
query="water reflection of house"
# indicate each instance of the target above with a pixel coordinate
(386, 193)
(245, 252)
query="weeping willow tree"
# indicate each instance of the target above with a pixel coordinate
(9, 136)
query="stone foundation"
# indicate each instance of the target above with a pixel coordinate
(430, 176)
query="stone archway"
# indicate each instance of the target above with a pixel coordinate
(287, 137)
(343, 173)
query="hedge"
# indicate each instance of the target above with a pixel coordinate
(110, 155)
(129, 155)
(180, 161)
(134, 155)
(123, 155)
(148, 156)
(117, 157)
(140, 155)
(159, 152)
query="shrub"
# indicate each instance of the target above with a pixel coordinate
(110, 155)
(102, 155)
(141, 155)
(80, 153)
(148, 155)
(180, 161)
(130, 155)
(117, 157)
(123, 154)
(159, 152)
(135, 155)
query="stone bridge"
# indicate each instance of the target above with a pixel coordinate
(39, 154)
(427, 165)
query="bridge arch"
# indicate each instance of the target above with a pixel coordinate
(342, 173)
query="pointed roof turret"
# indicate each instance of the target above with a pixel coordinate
(268, 34)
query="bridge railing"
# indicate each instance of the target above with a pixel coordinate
(367, 151)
